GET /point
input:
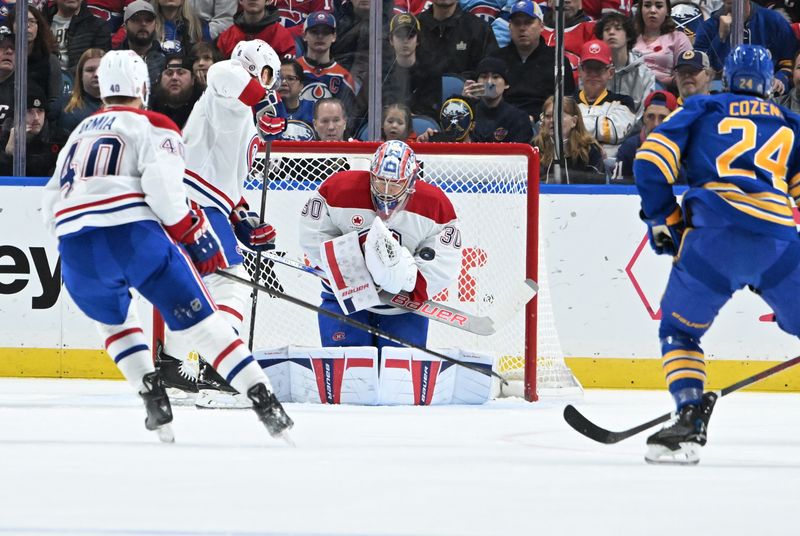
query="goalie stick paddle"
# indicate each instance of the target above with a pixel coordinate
(360, 325)
(438, 312)
(586, 427)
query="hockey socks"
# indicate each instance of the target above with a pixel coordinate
(127, 346)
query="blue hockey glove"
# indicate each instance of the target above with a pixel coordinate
(270, 117)
(250, 231)
(193, 232)
(665, 234)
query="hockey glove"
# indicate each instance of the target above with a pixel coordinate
(250, 231)
(270, 117)
(665, 234)
(391, 266)
(203, 248)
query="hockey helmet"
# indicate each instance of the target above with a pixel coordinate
(748, 69)
(122, 73)
(456, 118)
(393, 172)
(256, 54)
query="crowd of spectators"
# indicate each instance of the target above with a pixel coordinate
(461, 71)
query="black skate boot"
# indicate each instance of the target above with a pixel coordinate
(176, 375)
(679, 442)
(214, 392)
(270, 411)
(156, 403)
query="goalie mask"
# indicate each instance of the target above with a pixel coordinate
(254, 56)
(393, 172)
(456, 118)
(122, 73)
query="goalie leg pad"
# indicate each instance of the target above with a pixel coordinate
(225, 351)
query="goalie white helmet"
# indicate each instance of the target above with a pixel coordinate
(122, 73)
(256, 54)
(393, 172)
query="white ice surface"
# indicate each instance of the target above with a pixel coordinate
(75, 458)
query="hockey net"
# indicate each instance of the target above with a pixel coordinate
(498, 215)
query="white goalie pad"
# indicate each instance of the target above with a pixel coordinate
(412, 377)
(349, 277)
(346, 375)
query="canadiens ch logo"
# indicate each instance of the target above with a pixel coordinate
(338, 336)
(357, 221)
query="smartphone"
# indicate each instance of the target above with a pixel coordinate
(490, 90)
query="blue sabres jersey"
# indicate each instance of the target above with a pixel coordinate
(738, 154)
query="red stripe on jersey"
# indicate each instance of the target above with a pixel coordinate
(210, 186)
(252, 93)
(96, 203)
(231, 311)
(334, 266)
(420, 292)
(226, 352)
(121, 334)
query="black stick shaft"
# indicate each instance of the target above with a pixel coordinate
(360, 325)
(261, 218)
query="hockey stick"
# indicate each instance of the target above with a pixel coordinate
(586, 427)
(257, 270)
(439, 312)
(369, 329)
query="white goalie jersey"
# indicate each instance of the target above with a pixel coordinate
(343, 204)
(220, 137)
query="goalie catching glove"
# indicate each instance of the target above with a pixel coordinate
(250, 231)
(193, 232)
(665, 234)
(270, 117)
(391, 265)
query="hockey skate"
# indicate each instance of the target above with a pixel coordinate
(214, 392)
(270, 412)
(679, 441)
(156, 403)
(178, 376)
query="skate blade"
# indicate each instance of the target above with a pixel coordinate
(687, 454)
(217, 400)
(286, 438)
(164, 433)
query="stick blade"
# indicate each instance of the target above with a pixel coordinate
(584, 426)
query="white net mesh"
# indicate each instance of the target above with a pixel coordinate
(489, 194)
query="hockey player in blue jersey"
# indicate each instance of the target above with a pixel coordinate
(735, 227)
(118, 206)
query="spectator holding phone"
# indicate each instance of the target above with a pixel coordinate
(495, 119)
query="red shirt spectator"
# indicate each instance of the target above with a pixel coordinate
(257, 21)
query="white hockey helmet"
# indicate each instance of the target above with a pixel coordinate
(256, 54)
(123, 73)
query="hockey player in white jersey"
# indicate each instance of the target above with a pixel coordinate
(118, 207)
(220, 136)
(420, 253)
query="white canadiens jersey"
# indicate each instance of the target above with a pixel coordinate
(119, 166)
(220, 137)
(343, 204)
